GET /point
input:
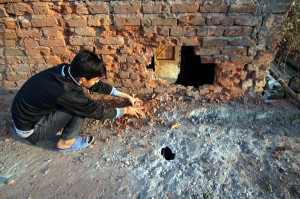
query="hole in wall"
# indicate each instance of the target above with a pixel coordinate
(167, 153)
(192, 71)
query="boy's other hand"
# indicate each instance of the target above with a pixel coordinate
(135, 111)
(136, 102)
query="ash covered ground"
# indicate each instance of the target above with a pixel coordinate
(246, 148)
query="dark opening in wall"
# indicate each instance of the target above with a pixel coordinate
(152, 65)
(192, 71)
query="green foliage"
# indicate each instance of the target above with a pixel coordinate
(290, 46)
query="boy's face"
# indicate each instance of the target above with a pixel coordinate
(88, 83)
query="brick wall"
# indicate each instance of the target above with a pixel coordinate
(240, 36)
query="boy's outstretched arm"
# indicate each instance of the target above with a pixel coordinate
(135, 102)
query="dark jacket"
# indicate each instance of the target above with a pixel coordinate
(54, 89)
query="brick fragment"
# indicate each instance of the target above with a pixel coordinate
(127, 8)
(106, 50)
(40, 10)
(185, 8)
(238, 59)
(189, 41)
(30, 43)
(99, 20)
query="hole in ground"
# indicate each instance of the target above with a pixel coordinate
(167, 153)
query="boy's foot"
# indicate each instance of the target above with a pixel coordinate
(77, 143)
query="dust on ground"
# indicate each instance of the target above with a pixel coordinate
(246, 148)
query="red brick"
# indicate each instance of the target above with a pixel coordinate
(238, 59)
(98, 8)
(31, 43)
(8, 43)
(127, 8)
(206, 51)
(190, 41)
(99, 20)
(81, 41)
(215, 41)
(219, 20)
(210, 30)
(185, 8)
(10, 23)
(49, 22)
(36, 52)
(79, 22)
(243, 8)
(164, 31)
(106, 50)
(59, 50)
(52, 42)
(9, 34)
(248, 21)
(19, 9)
(155, 8)
(183, 31)
(85, 31)
(193, 20)
(14, 52)
(164, 22)
(50, 31)
(40, 9)
(122, 21)
(35, 33)
(238, 31)
(81, 9)
(150, 30)
(53, 60)
(213, 8)
(234, 51)
(242, 41)
(13, 76)
(111, 40)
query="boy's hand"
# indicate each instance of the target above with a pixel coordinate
(135, 111)
(136, 102)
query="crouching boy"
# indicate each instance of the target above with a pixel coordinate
(54, 99)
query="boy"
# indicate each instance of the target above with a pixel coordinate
(54, 99)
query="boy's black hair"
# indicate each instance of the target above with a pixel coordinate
(87, 64)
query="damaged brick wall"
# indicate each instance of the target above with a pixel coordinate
(239, 36)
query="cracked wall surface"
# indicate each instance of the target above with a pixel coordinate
(241, 37)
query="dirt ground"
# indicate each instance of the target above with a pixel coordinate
(247, 148)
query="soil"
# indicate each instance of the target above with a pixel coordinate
(247, 148)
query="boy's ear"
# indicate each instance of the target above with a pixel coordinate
(81, 80)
